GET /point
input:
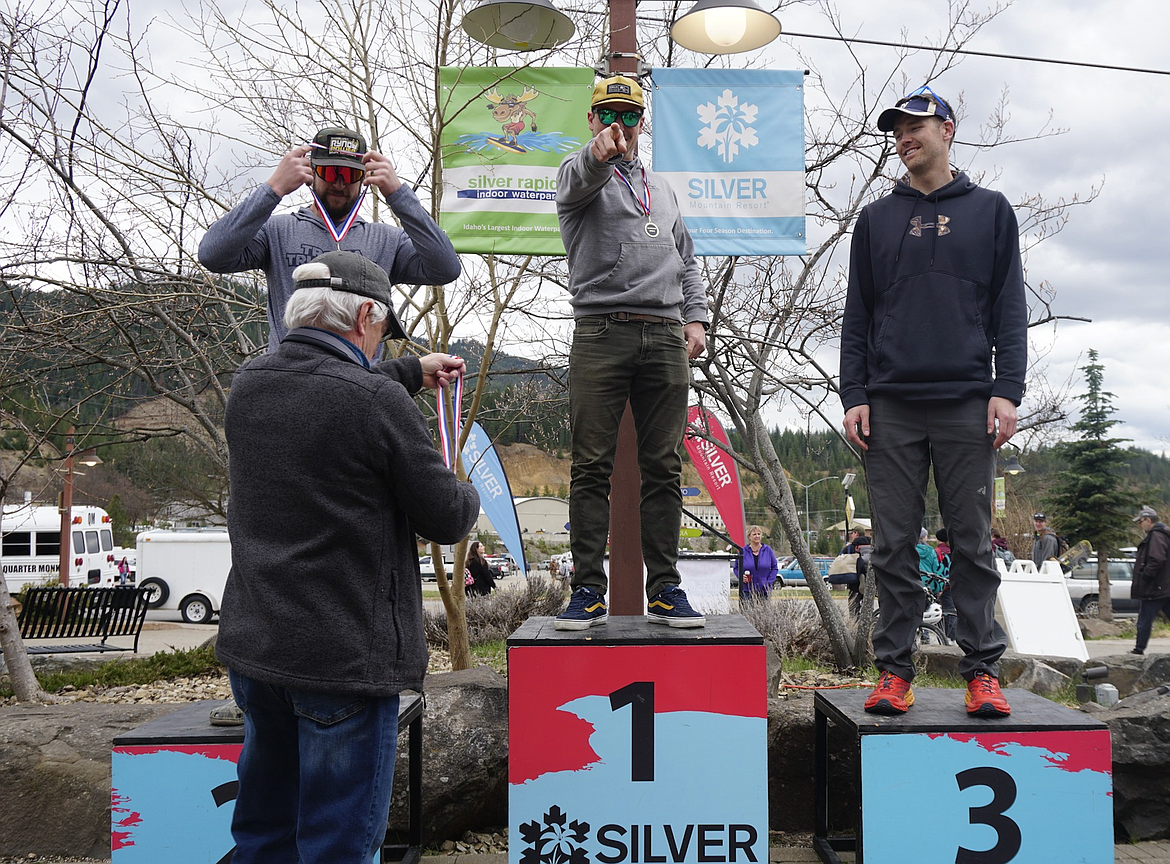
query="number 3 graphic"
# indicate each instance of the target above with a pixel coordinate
(1003, 789)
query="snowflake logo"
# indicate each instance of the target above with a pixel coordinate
(554, 842)
(728, 125)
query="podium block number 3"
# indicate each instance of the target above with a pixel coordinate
(1003, 789)
(640, 697)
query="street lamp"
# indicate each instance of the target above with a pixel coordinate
(65, 508)
(710, 27)
(807, 530)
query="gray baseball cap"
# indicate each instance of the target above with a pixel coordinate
(1146, 512)
(349, 271)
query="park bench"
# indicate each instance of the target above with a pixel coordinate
(82, 613)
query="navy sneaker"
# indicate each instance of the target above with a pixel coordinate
(670, 607)
(586, 609)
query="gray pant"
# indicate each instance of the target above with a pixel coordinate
(906, 438)
(646, 363)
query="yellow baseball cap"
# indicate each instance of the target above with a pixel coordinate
(617, 90)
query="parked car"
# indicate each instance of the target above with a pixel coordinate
(1081, 582)
(427, 567)
(792, 575)
(499, 566)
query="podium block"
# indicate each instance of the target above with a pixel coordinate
(174, 784)
(937, 785)
(636, 743)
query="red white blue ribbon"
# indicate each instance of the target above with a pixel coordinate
(645, 205)
(335, 231)
(448, 443)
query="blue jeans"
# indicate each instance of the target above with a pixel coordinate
(612, 362)
(315, 773)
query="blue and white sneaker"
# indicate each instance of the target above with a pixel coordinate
(586, 609)
(670, 606)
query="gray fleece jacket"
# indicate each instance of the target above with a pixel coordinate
(613, 265)
(332, 472)
(249, 237)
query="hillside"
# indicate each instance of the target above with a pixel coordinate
(530, 468)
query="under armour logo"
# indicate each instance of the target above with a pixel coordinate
(916, 225)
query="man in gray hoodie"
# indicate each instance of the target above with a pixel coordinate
(640, 313)
(332, 472)
(338, 168)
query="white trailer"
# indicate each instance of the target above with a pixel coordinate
(185, 570)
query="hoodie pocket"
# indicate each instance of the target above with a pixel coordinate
(647, 274)
(932, 331)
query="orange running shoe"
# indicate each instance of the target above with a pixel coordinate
(891, 696)
(984, 698)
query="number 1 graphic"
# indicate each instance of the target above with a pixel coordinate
(640, 697)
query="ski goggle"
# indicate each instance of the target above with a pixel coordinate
(333, 173)
(608, 115)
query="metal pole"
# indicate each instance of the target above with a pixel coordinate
(66, 510)
(807, 530)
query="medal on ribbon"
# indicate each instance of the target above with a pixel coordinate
(650, 227)
(449, 442)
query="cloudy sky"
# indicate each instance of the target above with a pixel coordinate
(1111, 263)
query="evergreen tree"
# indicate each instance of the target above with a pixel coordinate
(1089, 497)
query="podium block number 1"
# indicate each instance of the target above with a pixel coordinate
(640, 697)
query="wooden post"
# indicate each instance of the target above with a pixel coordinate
(626, 592)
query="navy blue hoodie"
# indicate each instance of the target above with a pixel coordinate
(936, 291)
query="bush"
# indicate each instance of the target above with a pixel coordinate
(792, 627)
(495, 617)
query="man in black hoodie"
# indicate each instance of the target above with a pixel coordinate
(935, 300)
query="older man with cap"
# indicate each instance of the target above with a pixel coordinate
(1045, 543)
(338, 168)
(933, 358)
(1151, 575)
(640, 312)
(333, 471)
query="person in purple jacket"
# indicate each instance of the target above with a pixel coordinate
(933, 359)
(757, 567)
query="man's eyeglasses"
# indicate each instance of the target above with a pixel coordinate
(333, 173)
(608, 115)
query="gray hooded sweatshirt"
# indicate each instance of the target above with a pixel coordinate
(249, 237)
(613, 265)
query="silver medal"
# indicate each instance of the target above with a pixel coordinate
(651, 229)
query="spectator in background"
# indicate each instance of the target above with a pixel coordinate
(847, 549)
(757, 567)
(1045, 543)
(482, 582)
(945, 600)
(1151, 575)
(862, 544)
(1001, 550)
